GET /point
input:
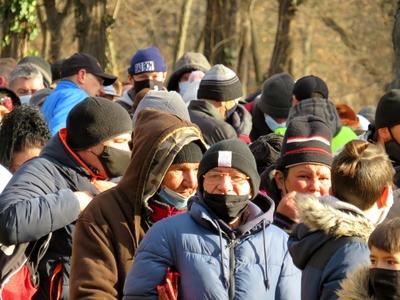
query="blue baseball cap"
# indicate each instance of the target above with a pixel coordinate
(147, 60)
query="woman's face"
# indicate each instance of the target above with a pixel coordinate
(305, 178)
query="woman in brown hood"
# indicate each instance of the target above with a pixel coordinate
(110, 229)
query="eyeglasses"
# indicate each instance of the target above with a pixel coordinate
(235, 178)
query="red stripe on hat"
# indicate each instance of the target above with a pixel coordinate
(308, 149)
(308, 138)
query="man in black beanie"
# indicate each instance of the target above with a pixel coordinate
(217, 111)
(386, 132)
(48, 192)
(224, 247)
(272, 108)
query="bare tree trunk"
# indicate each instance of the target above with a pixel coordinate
(254, 48)
(183, 29)
(280, 61)
(54, 23)
(396, 47)
(245, 44)
(91, 24)
(110, 49)
(222, 32)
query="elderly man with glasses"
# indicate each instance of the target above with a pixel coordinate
(224, 247)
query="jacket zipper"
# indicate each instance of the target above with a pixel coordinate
(232, 267)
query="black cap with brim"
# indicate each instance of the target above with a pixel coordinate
(10, 93)
(73, 64)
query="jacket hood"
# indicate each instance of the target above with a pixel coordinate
(157, 138)
(322, 108)
(254, 216)
(355, 286)
(190, 61)
(321, 220)
(332, 216)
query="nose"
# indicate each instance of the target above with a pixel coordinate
(190, 179)
(314, 186)
(225, 185)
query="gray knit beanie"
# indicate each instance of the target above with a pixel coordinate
(220, 84)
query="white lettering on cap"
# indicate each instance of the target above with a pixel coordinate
(144, 66)
(225, 159)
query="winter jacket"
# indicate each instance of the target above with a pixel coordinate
(190, 61)
(40, 199)
(356, 286)
(326, 110)
(59, 103)
(126, 101)
(214, 127)
(214, 261)
(112, 225)
(327, 221)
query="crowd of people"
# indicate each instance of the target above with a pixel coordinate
(175, 185)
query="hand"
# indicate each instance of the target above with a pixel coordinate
(103, 185)
(84, 199)
(287, 207)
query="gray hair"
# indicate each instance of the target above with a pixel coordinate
(27, 70)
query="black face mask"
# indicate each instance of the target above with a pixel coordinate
(148, 83)
(385, 284)
(115, 161)
(226, 207)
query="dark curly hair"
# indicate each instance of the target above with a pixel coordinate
(21, 129)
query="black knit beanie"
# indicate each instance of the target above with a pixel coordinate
(307, 140)
(95, 120)
(220, 84)
(305, 87)
(190, 153)
(266, 150)
(276, 96)
(387, 111)
(233, 153)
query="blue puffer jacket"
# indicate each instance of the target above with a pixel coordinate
(58, 104)
(214, 261)
(326, 222)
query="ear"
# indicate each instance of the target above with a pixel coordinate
(280, 180)
(81, 76)
(384, 135)
(294, 101)
(382, 201)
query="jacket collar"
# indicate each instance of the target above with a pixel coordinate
(332, 216)
(356, 285)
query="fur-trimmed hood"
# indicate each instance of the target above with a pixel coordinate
(332, 216)
(323, 219)
(356, 286)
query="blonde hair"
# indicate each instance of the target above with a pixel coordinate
(360, 173)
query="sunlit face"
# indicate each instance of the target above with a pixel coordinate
(305, 178)
(26, 86)
(182, 178)
(93, 85)
(120, 141)
(158, 76)
(226, 181)
(18, 158)
(380, 259)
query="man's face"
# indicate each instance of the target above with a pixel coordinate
(226, 181)
(158, 76)
(26, 86)
(119, 142)
(182, 178)
(396, 132)
(380, 259)
(92, 84)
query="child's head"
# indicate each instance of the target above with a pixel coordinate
(367, 168)
(384, 245)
